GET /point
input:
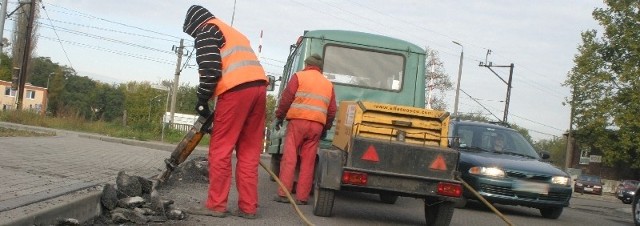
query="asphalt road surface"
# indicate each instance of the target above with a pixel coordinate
(365, 209)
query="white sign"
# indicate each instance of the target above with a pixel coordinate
(584, 160)
(595, 158)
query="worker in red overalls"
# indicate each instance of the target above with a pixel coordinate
(229, 71)
(308, 103)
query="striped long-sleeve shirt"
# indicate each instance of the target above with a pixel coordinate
(208, 41)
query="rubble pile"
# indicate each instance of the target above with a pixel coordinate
(134, 199)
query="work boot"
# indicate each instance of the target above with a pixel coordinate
(301, 203)
(240, 213)
(281, 199)
(204, 211)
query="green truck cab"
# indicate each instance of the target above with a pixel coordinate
(381, 81)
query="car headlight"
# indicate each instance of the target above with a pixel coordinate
(562, 180)
(486, 171)
(578, 184)
(632, 192)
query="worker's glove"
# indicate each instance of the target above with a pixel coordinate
(202, 107)
(323, 135)
(277, 124)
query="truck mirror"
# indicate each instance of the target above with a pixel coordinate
(272, 83)
(544, 155)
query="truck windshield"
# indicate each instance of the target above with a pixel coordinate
(364, 68)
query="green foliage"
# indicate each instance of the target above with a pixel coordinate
(271, 109)
(556, 147)
(605, 84)
(5, 67)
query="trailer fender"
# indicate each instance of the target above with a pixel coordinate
(329, 168)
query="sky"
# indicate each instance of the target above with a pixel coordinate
(133, 40)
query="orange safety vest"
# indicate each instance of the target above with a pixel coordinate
(312, 97)
(239, 62)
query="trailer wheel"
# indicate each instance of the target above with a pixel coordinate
(438, 212)
(388, 199)
(275, 165)
(322, 200)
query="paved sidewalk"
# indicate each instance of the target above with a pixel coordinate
(37, 171)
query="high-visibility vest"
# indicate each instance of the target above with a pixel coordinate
(312, 97)
(239, 62)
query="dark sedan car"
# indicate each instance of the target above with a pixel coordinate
(588, 184)
(626, 190)
(504, 168)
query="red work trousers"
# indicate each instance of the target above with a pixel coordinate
(238, 123)
(302, 138)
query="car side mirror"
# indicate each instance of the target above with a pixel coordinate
(544, 155)
(272, 83)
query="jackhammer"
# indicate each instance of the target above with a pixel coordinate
(202, 126)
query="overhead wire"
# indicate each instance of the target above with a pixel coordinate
(57, 36)
(113, 22)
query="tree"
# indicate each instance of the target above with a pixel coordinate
(441, 81)
(605, 83)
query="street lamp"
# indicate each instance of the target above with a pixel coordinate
(455, 107)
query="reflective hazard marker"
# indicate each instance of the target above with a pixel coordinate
(371, 154)
(438, 164)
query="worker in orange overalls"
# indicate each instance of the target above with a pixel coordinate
(309, 103)
(229, 71)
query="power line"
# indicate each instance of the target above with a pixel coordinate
(57, 36)
(110, 21)
(113, 30)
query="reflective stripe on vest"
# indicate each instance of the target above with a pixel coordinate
(239, 63)
(312, 98)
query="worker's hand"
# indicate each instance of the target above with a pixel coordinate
(323, 135)
(277, 124)
(202, 107)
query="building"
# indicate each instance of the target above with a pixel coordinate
(34, 99)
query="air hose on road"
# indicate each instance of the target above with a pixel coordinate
(291, 200)
(484, 201)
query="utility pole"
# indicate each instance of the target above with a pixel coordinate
(3, 16)
(176, 80)
(568, 157)
(26, 54)
(455, 105)
(508, 98)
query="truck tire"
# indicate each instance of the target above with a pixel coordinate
(275, 165)
(551, 212)
(388, 199)
(322, 201)
(636, 208)
(438, 212)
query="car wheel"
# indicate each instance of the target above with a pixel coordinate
(626, 201)
(551, 212)
(636, 209)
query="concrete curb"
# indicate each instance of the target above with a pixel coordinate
(76, 204)
(82, 207)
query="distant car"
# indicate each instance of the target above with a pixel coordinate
(626, 190)
(636, 207)
(503, 167)
(588, 184)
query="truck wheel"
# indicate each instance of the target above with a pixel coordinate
(438, 212)
(322, 201)
(551, 212)
(275, 165)
(388, 199)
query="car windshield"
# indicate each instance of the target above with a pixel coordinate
(363, 68)
(632, 182)
(493, 139)
(589, 178)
